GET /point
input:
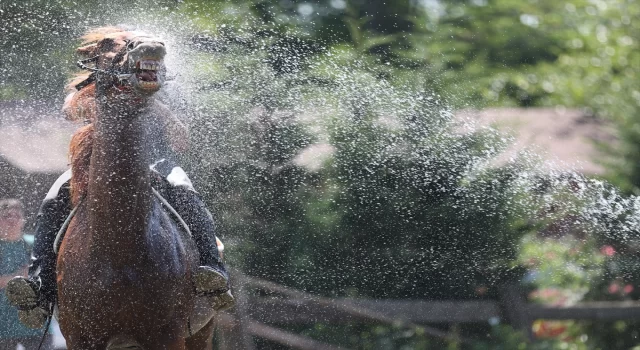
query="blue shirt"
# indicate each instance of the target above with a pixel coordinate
(13, 256)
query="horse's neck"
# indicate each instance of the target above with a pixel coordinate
(119, 191)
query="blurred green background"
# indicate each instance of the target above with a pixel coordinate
(396, 203)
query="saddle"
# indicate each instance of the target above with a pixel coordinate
(166, 174)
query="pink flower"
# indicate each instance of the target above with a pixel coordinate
(607, 250)
(627, 289)
(614, 288)
(549, 292)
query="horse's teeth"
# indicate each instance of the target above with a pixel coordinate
(149, 65)
(146, 84)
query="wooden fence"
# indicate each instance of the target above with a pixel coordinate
(259, 316)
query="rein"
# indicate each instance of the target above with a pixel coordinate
(47, 325)
(116, 73)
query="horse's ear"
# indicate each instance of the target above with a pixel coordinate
(88, 50)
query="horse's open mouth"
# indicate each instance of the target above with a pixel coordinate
(146, 73)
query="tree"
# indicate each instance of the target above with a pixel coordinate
(392, 201)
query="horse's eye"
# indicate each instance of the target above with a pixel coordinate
(131, 45)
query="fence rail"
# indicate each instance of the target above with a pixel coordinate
(603, 311)
(260, 316)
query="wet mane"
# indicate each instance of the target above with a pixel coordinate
(89, 41)
(80, 154)
(80, 105)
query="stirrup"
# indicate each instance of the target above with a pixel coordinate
(208, 281)
(214, 284)
(22, 292)
(223, 301)
(34, 318)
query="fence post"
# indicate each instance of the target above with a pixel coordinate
(515, 308)
(237, 334)
(229, 337)
(242, 305)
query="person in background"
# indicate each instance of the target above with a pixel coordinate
(14, 259)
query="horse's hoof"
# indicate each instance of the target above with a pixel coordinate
(209, 281)
(21, 293)
(34, 318)
(223, 301)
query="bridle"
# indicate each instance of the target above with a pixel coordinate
(113, 71)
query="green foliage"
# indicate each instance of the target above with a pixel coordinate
(371, 336)
(568, 270)
(569, 263)
(545, 53)
(400, 197)
(504, 337)
(322, 141)
(419, 213)
(32, 49)
(38, 38)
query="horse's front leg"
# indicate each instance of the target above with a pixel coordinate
(166, 344)
(202, 340)
(78, 343)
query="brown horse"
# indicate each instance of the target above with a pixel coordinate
(125, 266)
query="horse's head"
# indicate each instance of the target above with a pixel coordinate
(126, 65)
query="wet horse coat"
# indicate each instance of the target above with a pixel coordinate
(124, 266)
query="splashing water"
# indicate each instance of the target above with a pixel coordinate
(279, 105)
(326, 172)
